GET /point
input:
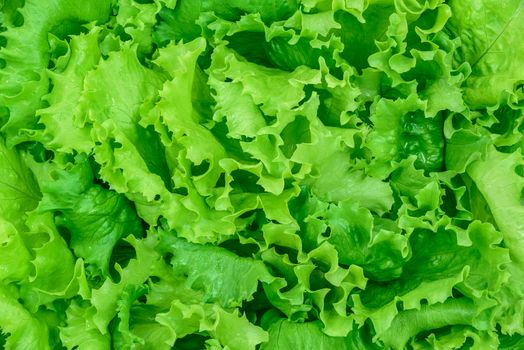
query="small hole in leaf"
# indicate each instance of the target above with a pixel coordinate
(167, 258)
(221, 181)
(519, 170)
(191, 341)
(200, 169)
(296, 168)
(247, 214)
(115, 144)
(246, 181)
(18, 19)
(122, 253)
(181, 191)
(65, 233)
(455, 293)
(245, 138)
(327, 232)
(270, 119)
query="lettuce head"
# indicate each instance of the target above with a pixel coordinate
(261, 174)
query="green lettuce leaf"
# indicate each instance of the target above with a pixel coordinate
(79, 332)
(96, 218)
(50, 257)
(347, 182)
(285, 334)
(15, 257)
(64, 128)
(19, 192)
(235, 332)
(253, 174)
(224, 277)
(441, 262)
(409, 323)
(491, 47)
(403, 126)
(23, 79)
(498, 180)
(24, 329)
(379, 251)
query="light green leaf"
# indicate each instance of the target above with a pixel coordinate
(224, 277)
(492, 47)
(51, 257)
(284, 334)
(334, 177)
(95, 217)
(79, 332)
(409, 323)
(25, 330)
(64, 128)
(14, 255)
(235, 332)
(26, 56)
(19, 192)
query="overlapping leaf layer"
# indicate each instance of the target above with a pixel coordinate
(254, 174)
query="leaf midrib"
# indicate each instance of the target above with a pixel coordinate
(508, 23)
